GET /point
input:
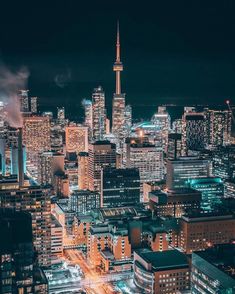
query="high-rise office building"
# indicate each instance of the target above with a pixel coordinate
(162, 122)
(213, 270)
(36, 201)
(174, 203)
(18, 270)
(120, 187)
(60, 113)
(224, 162)
(76, 139)
(174, 146)
(24, 100)
(14, 160)
(229, 189)
(36, 136)
(177, 126)
(98, 114)
(50, 164)
(128, 120)
(84, 201)
(107, 126)
(83, 179)
(181, 170)
(87, 104)
(218, 127)
(118, 115)
(3, 155)
(88, 112)
(34, 105)
(146, 157)
(193, 132)
(212, 190)
(102, 154)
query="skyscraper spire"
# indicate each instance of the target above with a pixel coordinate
(118, 67)
(118, 44)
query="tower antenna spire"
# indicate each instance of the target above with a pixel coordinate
(118, 113)
(118, 44)
(118, 67)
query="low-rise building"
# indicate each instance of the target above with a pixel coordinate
(174, 202)
(201, 231)
(109, 248)
(161, 272)
(213, 270)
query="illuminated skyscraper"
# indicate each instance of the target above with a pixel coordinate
(212, 189)
(128, 120)
(162, 123)
(84, 201)
(18, 271)
(50, 164)
(36, 136)
(193, 132)
(76, 139)
(146, 157)
(174, 146)
(24, 100)
(218, 127)
(118, 116)
(177, 126)
(98, 114)
(34, 104)
(224, 162)
(36, 201)
(60, 113)
(181, 170)
(102, 154)
(83, 180)
(87, 104)
(3, 155)
(120, 187)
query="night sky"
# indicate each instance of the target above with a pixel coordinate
(173, 51)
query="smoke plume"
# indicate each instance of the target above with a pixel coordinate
(62, 79)
(10, 84)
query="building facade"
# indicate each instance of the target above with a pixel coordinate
(83, 179)
(180, 171)
(201, 231)
(36, 201)
(213, 270)
(102, 154)
(98, 114)
(161, 272)
(36, 136)
(120, 187)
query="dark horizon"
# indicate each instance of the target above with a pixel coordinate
(178, 53)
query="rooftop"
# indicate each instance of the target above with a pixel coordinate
(214, 216)
(164, 260)
(222, 257)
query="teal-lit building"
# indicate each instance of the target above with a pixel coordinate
(212, 189)
(213, 270)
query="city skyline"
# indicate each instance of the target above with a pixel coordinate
(165, 60)
(129, 189)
